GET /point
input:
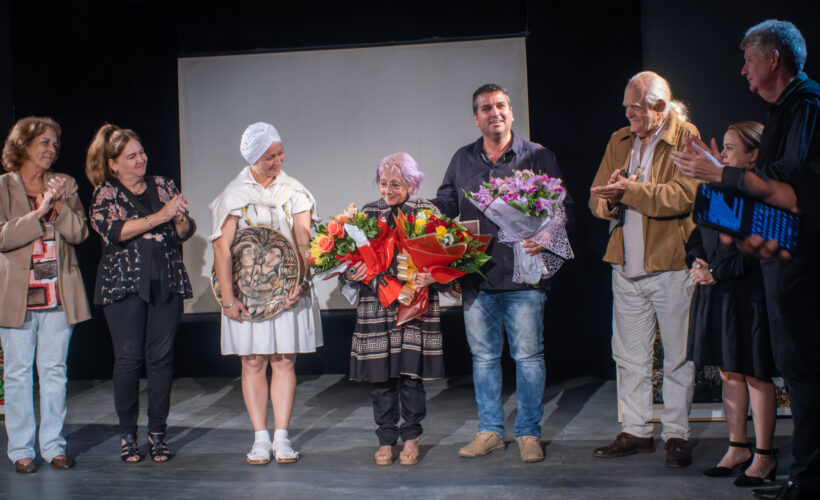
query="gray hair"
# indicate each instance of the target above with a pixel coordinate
(782, 36)
(657, 89)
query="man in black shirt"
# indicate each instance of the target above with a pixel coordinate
(789, 158)
(488, 303)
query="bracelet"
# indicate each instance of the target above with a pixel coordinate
(147, 221)
(232, 304)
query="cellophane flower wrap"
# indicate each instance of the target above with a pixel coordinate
(527, 205)
(348, 239)
(442, 246)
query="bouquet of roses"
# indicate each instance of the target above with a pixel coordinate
(527, 205)
(357, 237)
(439, 245)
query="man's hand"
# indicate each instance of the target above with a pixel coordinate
(774, 193)
(531, 247)
(615, 188)
(696, 160)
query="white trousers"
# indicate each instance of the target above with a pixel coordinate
(664, 296)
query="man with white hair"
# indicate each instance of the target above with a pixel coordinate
(648, 203)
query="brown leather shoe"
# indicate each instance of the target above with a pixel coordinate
(24, 466)
(678, 453)
(625, 444)
(62, 462)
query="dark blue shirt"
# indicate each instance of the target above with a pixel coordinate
(470, 167)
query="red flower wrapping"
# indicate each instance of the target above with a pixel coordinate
(377, 256)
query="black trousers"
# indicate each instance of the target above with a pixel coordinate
(387, 397)
(805, 403)
(143, 334)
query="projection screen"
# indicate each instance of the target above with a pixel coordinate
(339, 112)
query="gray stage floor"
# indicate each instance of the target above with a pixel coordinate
(333, 426)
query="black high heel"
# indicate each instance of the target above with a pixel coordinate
(725, 471)
(744, 480)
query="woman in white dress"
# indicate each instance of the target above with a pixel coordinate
(263, 195)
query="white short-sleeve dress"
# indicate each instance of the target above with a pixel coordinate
(294, 330)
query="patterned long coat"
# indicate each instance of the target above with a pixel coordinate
(380, 349)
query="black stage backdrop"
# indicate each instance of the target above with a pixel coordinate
(85, 63)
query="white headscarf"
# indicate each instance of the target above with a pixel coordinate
(256, 139)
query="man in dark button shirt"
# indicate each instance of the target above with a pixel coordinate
(498, 299)
(789, 158)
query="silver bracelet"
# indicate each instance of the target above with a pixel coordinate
(232, 304)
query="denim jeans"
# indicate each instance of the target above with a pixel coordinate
(46, 333)
(522, 313)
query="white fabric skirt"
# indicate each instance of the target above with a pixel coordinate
(295, 330)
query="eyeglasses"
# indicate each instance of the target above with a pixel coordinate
(392, 185)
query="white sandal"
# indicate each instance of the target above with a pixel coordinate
(283, 451)
(260, 453)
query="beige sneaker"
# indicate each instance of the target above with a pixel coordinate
(483, 443)
(530, 448)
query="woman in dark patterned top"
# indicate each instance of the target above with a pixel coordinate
(395, 359)
(141, 280)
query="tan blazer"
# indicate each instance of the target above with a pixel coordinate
(19, 227)
(665, 200)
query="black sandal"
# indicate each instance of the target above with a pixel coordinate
(159, 450)
(725, 471)
(130, 451)
(746, 480)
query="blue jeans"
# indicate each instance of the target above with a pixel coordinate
(522, 312)
(46, 333)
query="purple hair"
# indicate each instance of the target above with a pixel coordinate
(405, 166)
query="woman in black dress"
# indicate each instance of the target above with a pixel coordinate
(728, 327)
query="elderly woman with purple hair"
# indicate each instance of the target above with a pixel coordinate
(394, 358)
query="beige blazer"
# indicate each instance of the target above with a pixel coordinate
(19, 227)
(665, 199)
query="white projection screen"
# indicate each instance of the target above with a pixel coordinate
(339, 112)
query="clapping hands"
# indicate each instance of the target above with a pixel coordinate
(53, 197)
(615, 187)
(699, 160)
(176, 208)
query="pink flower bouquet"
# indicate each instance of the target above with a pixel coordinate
(530, 206)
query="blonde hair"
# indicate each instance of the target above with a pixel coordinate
(21, 136)
(108, 143)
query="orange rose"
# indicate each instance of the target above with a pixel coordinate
(325, 243)
(341, 219)
(335, 228)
